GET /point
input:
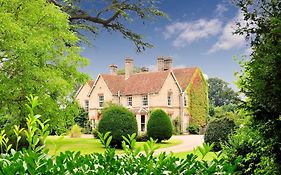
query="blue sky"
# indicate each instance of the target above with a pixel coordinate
(197, 33)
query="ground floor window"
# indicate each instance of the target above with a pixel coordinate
(142, 123)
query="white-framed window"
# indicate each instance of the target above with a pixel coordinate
(101, 100)
(185, 100)
(169, 99)
(129, 101)
(145, 100)
(87, 105)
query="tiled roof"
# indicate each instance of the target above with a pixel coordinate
(145, 82)
(140, 83)
(184, 76)
(91, 83)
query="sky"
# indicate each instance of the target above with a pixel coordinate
(197, 33)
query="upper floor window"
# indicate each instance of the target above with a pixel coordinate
(87, 105)
(185, 100)
(145, 100)
(169, 99)
(101, 100)
(129, 101)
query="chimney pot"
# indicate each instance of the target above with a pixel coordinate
(129, 66)
(113, 69)
(160, 63)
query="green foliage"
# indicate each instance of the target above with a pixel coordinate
(260, 80)
(159, 125)
(142, 137)
(119, 121)
(122, 71)
(197, 92)
(176, 125)
(193, 128)
(40, 56)
(220, 94)
(217, 132)
(254, 151)
(75, 131)
(83, 121)
(132, 162)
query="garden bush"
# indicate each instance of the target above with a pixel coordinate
(75, 132)
(193, 128)
(217, 132)
(159, 125)
(142, 137)
(119, 121)
(255, 153)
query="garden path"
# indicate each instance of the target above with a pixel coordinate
(189, 143)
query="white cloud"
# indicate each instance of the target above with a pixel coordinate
(188, 32)
(229, 40)
(220, 9)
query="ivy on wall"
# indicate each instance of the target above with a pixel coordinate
(197, 92)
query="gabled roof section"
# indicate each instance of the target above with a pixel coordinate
(91, 83)
(146, 82)
(140, 83)
(184, 76)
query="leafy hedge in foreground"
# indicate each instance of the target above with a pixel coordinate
(30, 162)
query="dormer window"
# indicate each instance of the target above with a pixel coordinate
(101, 100)
(129, 101)
(145, 100)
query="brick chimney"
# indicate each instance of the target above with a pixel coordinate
(113, 69)
(168, 63)
(160, 64)
(129, 67)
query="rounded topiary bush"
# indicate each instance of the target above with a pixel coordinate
(159, 125)
(119, 121)
(217, 131)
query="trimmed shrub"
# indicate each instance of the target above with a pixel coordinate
(159, 125)
(193, 128)
(119, 121)
(176, 126)
(75, 132)
(217, 132)
(142, 137)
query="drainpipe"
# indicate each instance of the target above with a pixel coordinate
(119, 97)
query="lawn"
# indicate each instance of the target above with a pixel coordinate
(58, 144)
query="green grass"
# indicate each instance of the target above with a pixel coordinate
(58, 144)
(209, 156)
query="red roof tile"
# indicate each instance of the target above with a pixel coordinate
(184, 76)
(91, 83)
(145, 82)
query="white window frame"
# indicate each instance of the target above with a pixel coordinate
(87, 105)
(145, 100)
(130, 100)
(101, 100)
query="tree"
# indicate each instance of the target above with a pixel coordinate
(40, 56)
(260, 81)
(119, 121)
(159, 125)
(111, 15)
(220, 93)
